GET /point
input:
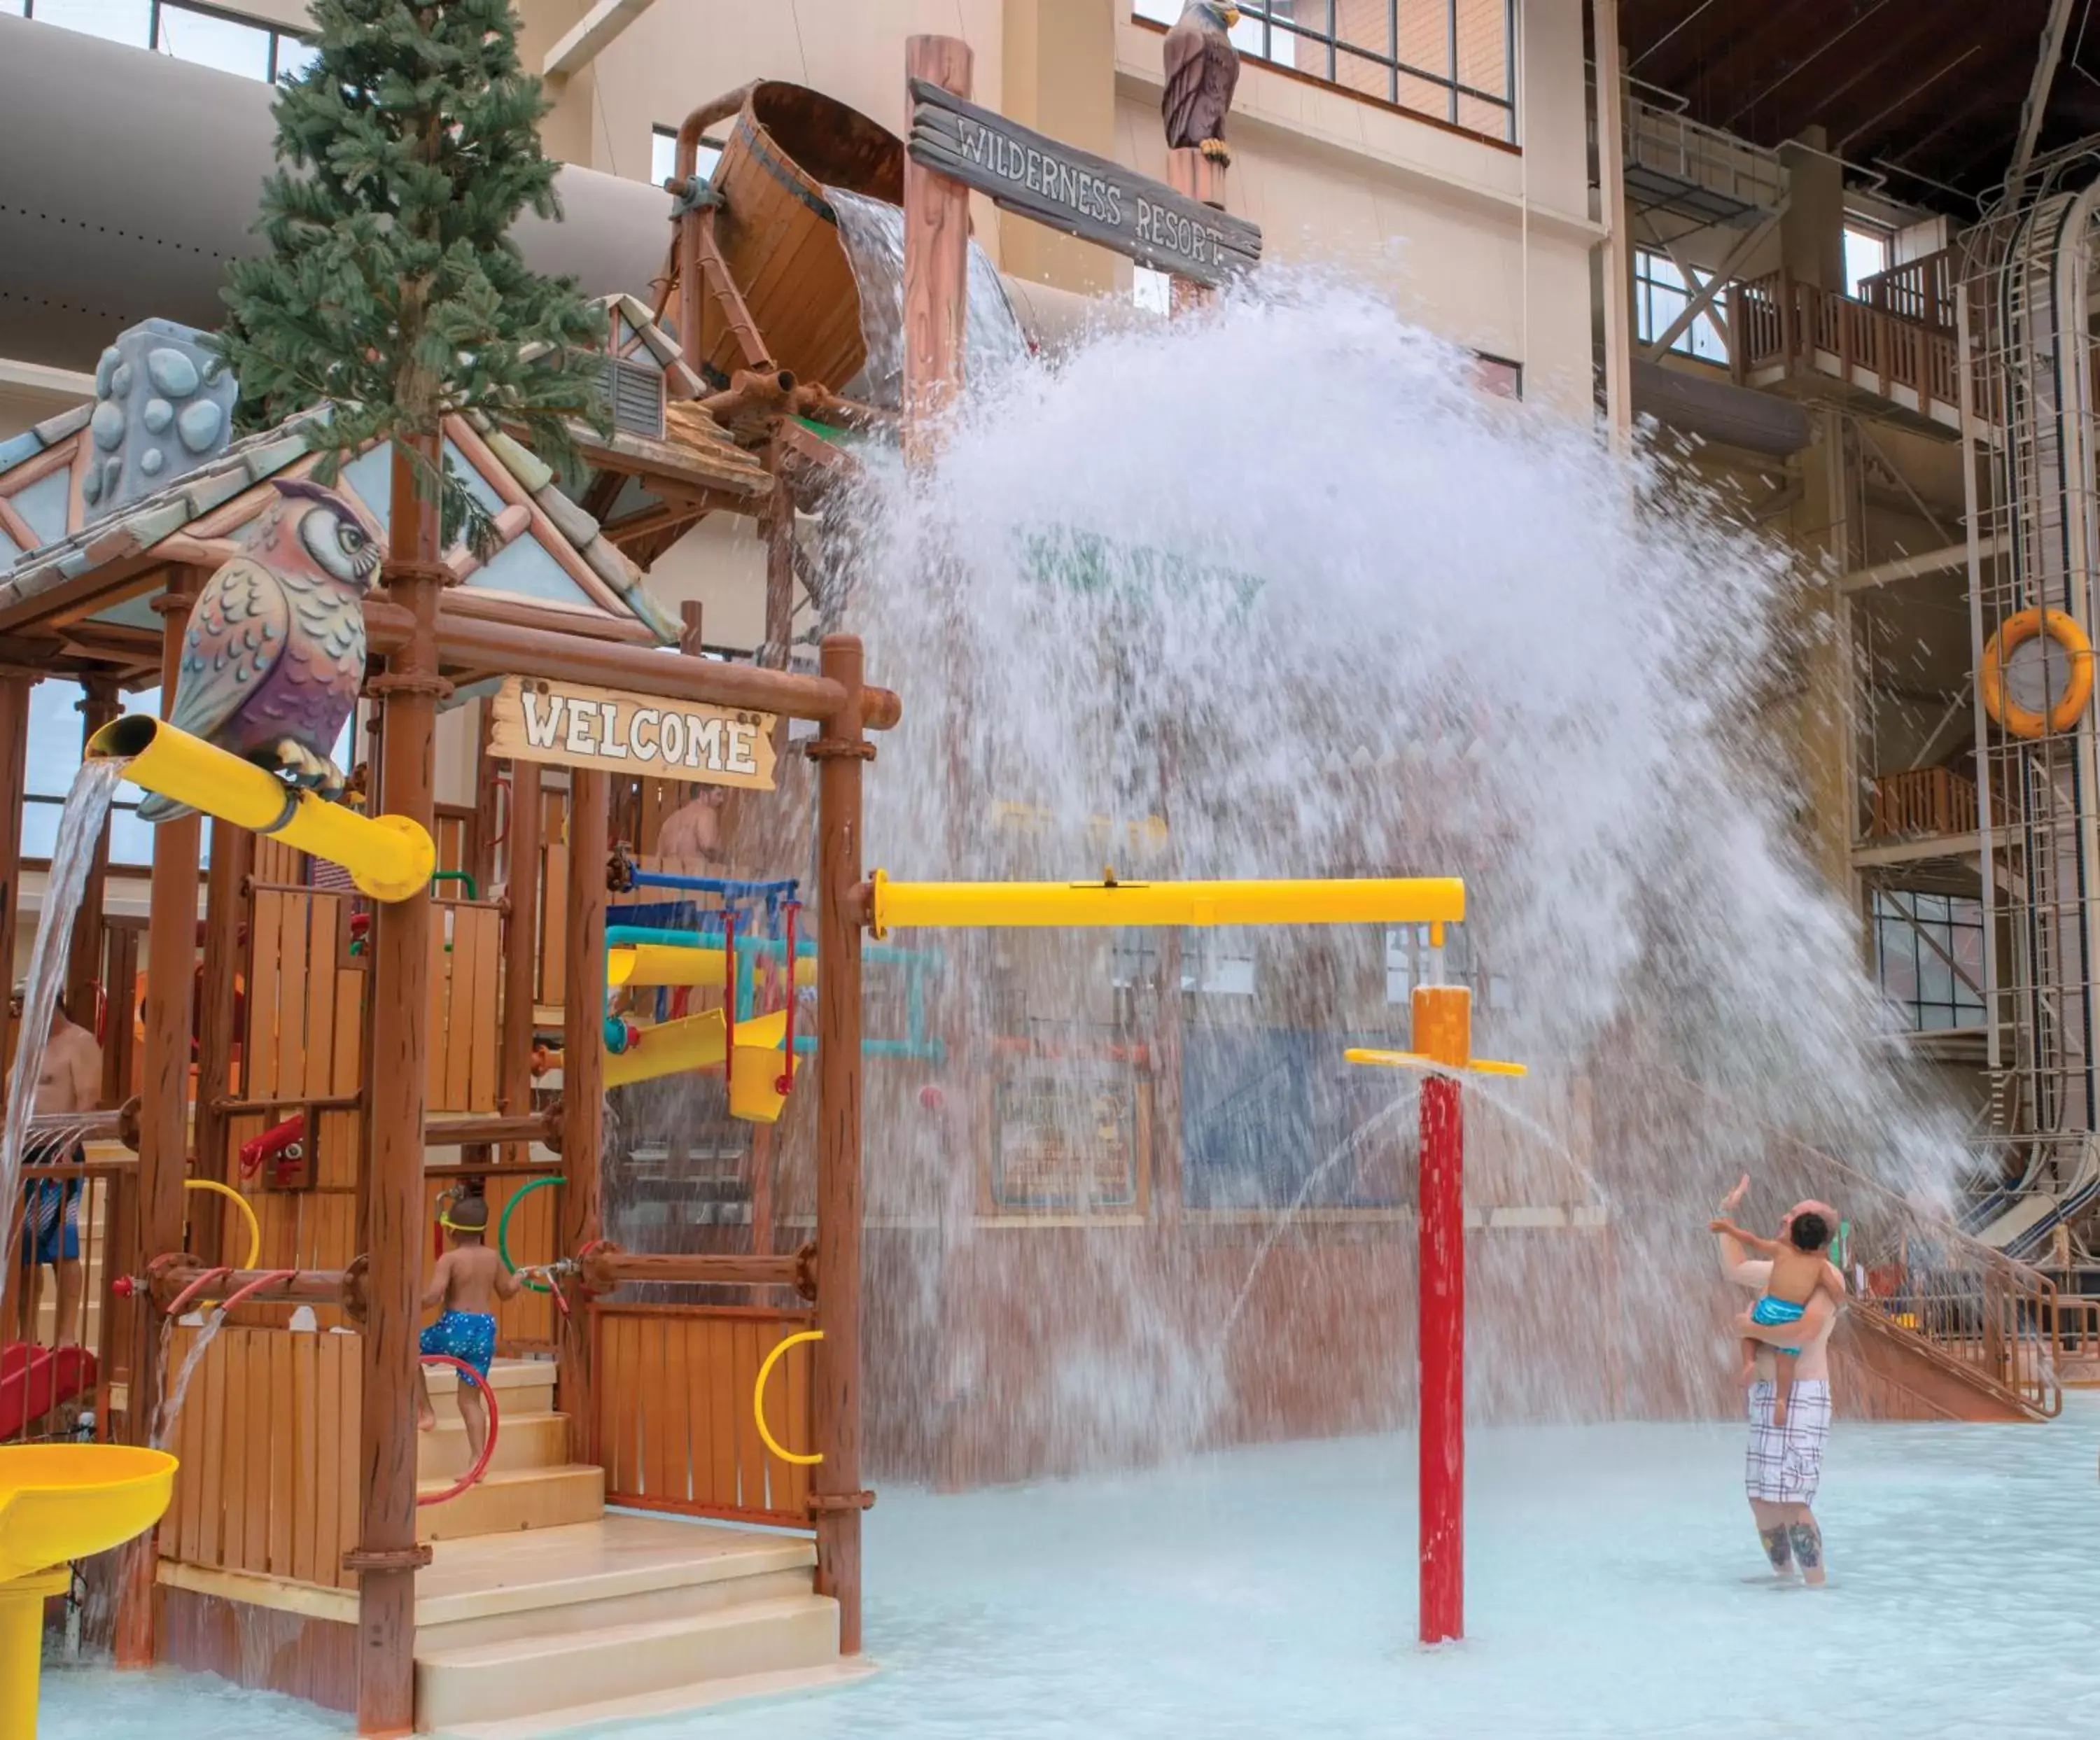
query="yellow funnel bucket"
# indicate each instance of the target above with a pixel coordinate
(389, 857)
(1412, 900)
(58, 1503)
(757, 1066)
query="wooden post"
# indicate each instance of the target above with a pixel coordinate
(583, 1081)
(98, 706)
(163, 1118)
(15, 687)
(936, 259)
(835, 1499)
(521, 942)
(1194, 176)
(225, 907)
(395, 1229)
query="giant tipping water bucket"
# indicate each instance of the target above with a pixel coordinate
(779, 236)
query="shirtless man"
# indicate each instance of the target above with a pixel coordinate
(1784, 1465)
(71, 1081)
(690, 836)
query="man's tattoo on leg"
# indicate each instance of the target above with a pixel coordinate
(1775, 1547)
(1807, 1544)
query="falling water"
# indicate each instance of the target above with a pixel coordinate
(873, 231)
(80, 826)
(1283, 578)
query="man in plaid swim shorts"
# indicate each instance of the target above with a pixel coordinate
(1784, 1463)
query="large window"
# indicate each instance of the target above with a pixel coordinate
(53, 759)
(1659, 294)
(663, 155)
(1866, 253)
(1449, 60)
(204, 35)
(1928, 958)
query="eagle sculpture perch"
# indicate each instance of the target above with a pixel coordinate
(1202, 70)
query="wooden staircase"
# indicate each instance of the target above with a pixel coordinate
(540, 1614)
(531, 1482)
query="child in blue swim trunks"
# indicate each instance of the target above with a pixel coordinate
(1798, 1269)
(468, 1280)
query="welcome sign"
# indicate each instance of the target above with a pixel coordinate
(1065, 188)
(571, 725)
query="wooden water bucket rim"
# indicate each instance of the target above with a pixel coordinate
(772, 102)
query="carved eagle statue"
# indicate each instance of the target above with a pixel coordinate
(1203, 71)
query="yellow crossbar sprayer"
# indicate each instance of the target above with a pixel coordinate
(389, 857)
(1397, 900)
(59, 1503)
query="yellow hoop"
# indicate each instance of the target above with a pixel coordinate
(248, 1212)
(2015, 631)
(758, 1401)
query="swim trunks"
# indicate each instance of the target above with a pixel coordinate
(50, 1230)
(1784, 1465)
(469, 1336)
(1777, 1314)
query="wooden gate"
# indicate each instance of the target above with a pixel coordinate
(677, 1431)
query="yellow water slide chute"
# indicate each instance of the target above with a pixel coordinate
(757, 1063)
(389, 857)
(651, 964)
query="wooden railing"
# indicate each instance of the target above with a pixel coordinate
(107, 1191)
(1778, 321)
(267, 1437)
(1972, 1310)
(1928, 800)
(677, 1431)
(1921, 290)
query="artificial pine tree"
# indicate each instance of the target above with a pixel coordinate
(391, 287)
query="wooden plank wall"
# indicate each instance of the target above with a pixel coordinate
(466, 955)
(267, 1439)
(554, 896)
(676, 1432)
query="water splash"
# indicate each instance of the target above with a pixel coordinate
(1282, 578)
(73, 855)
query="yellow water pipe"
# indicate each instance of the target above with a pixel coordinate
(389, 857)
(1406, 899)
(669, 963)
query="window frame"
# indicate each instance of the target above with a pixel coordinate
(1647, 326)
(1257, 12)
(277, 33)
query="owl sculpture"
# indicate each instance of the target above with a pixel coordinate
(275, 654)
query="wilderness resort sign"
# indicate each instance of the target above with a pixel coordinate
(573, 725)
(1074, 191)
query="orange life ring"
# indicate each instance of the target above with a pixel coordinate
(2015, 631)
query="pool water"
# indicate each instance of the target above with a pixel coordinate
(1614, 1591)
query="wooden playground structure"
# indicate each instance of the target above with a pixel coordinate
(342, 1066)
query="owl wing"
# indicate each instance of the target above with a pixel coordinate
(1184, 54)
(239, 629)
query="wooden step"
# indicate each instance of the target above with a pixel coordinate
(549, 1680)
(620, 1569)
(522, 1386)
(522, 1441)
(532, 1498)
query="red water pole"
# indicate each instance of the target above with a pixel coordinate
(1441, 1318)
(1443, 1033)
